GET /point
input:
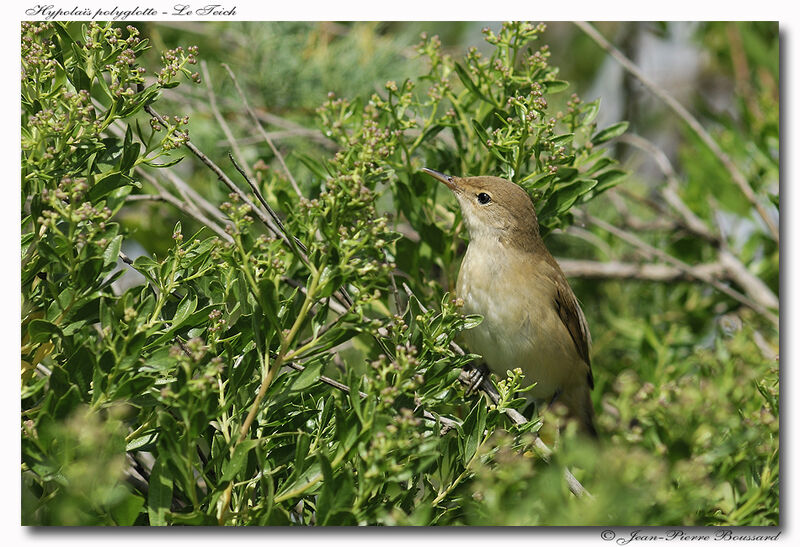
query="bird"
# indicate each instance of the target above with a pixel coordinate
(531, 317)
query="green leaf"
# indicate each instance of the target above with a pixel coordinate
(195, 518)
(431, 132)
(66, 39)
(316, 167)
(164, 165)
(565, 160)
(42, 331)
(463, 75)
(99, 384)
(238, 460)
(129, 156)
(609, 178)
(334, 337)
(142, 442)
(566, 174)
(555, 86)
(146, 266)
(110, 182)
(125, 512)
(79, 78)
(111, 252)
(59, 380)
(562, 140)
(537, 180)
(67, 403)
(268, 300)
(565, 196)
(473, 430)
(160, 361)
(300, 470)
(301, 453)
(132, 387)
(308, 376)
(90, 270)
(601, 163)
(590, 112)
(355, 398)
(336, 496)
(347, 430)
(242, 372)
(472, 321)
(268, 487)
(80, 367)
(325, 498)
(329, 281)
(484, 137)
(610, 132)
(159, 496)
(185, 309)
(775, 199)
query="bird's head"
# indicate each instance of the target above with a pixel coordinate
(493, 207)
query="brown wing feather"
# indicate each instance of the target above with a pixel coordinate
(572, 316)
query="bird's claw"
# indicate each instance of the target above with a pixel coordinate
(476, 377)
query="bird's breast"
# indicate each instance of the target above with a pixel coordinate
(521, 327)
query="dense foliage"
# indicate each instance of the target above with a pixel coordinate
(288, 352)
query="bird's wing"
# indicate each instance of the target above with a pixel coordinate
(572, 316)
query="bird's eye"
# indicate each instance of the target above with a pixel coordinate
(483, 198)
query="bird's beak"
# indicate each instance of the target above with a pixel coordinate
(441, 177)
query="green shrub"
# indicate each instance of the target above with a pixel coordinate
(298, 367)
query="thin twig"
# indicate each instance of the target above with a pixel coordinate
(660, 223)
(326, 327)
(589, 237)
(212, 102)
(732, 267)
(125, 258)
(258, 126)
(544, 451)
(266, 215)
(635, 223)
(191, 195)
(753, 286)
(688, 219)
(262, 216)
(297, 246)
(591, 269)
(274, 136)
(736, 175)
(666, 257)
(292, 129)
(257, 192)
(396, 294)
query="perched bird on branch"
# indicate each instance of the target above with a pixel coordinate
(531, 318)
